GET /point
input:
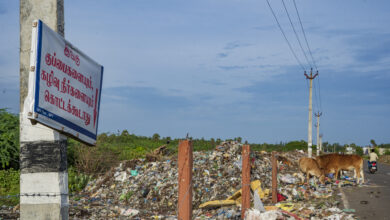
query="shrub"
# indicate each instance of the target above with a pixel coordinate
(9, 185)
(9, 140)
(297, 145)
(71, 152)
(156, 137)
(94, 160)
(359, 151)
(376, 150)
(77, 181)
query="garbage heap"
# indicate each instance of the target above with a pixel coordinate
(148, 188)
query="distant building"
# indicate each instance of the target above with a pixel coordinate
(367, 150)
(350, 150)
(382, 151)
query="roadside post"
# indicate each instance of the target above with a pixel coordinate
(309, 129)
(42, 150)
(246, 178)
(60, 91)
(185, 160)
(274, 179)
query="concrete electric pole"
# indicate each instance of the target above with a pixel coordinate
(321, 143)
(310, 124)
(318, 114)
(43, 166)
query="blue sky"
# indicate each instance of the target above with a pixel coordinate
(221, 68)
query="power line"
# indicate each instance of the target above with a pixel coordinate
(311, 55)
(316, 97)
(295, 32)
(319, 91)
(304, 34)
(318, 100)
(289, 45)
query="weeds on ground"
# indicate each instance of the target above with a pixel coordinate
(10, 188)
(77, 181)
(9, 185)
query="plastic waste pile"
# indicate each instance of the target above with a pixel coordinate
(148, 189)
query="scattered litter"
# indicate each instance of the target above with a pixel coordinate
(235, 199)
(253, 214)
(129, 212)
(150, 187)
(288, 178)
(120, 176)
(134, 172)
(281, 197)
(285, 206)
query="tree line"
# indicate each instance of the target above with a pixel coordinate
(123, 145)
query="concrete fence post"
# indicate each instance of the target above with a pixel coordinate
(246, 178)
(185, 180)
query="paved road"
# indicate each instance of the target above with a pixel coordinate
(371, 201)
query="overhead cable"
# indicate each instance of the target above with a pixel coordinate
(304, 35)
(319, 91)
(296, 35)
(316, 100)
(311, 54)
(284, 35)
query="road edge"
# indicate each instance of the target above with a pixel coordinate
(344, 199)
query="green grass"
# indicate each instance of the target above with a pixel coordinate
(9, 185)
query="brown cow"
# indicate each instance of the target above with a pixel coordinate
(333, 163)
(311, 167)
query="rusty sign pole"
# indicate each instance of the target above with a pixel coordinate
(274, 179)
(246, 178)
(185, 180)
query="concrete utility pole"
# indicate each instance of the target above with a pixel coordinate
(318, 114)
(43, 166)
(309, 138)
(321, 143)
